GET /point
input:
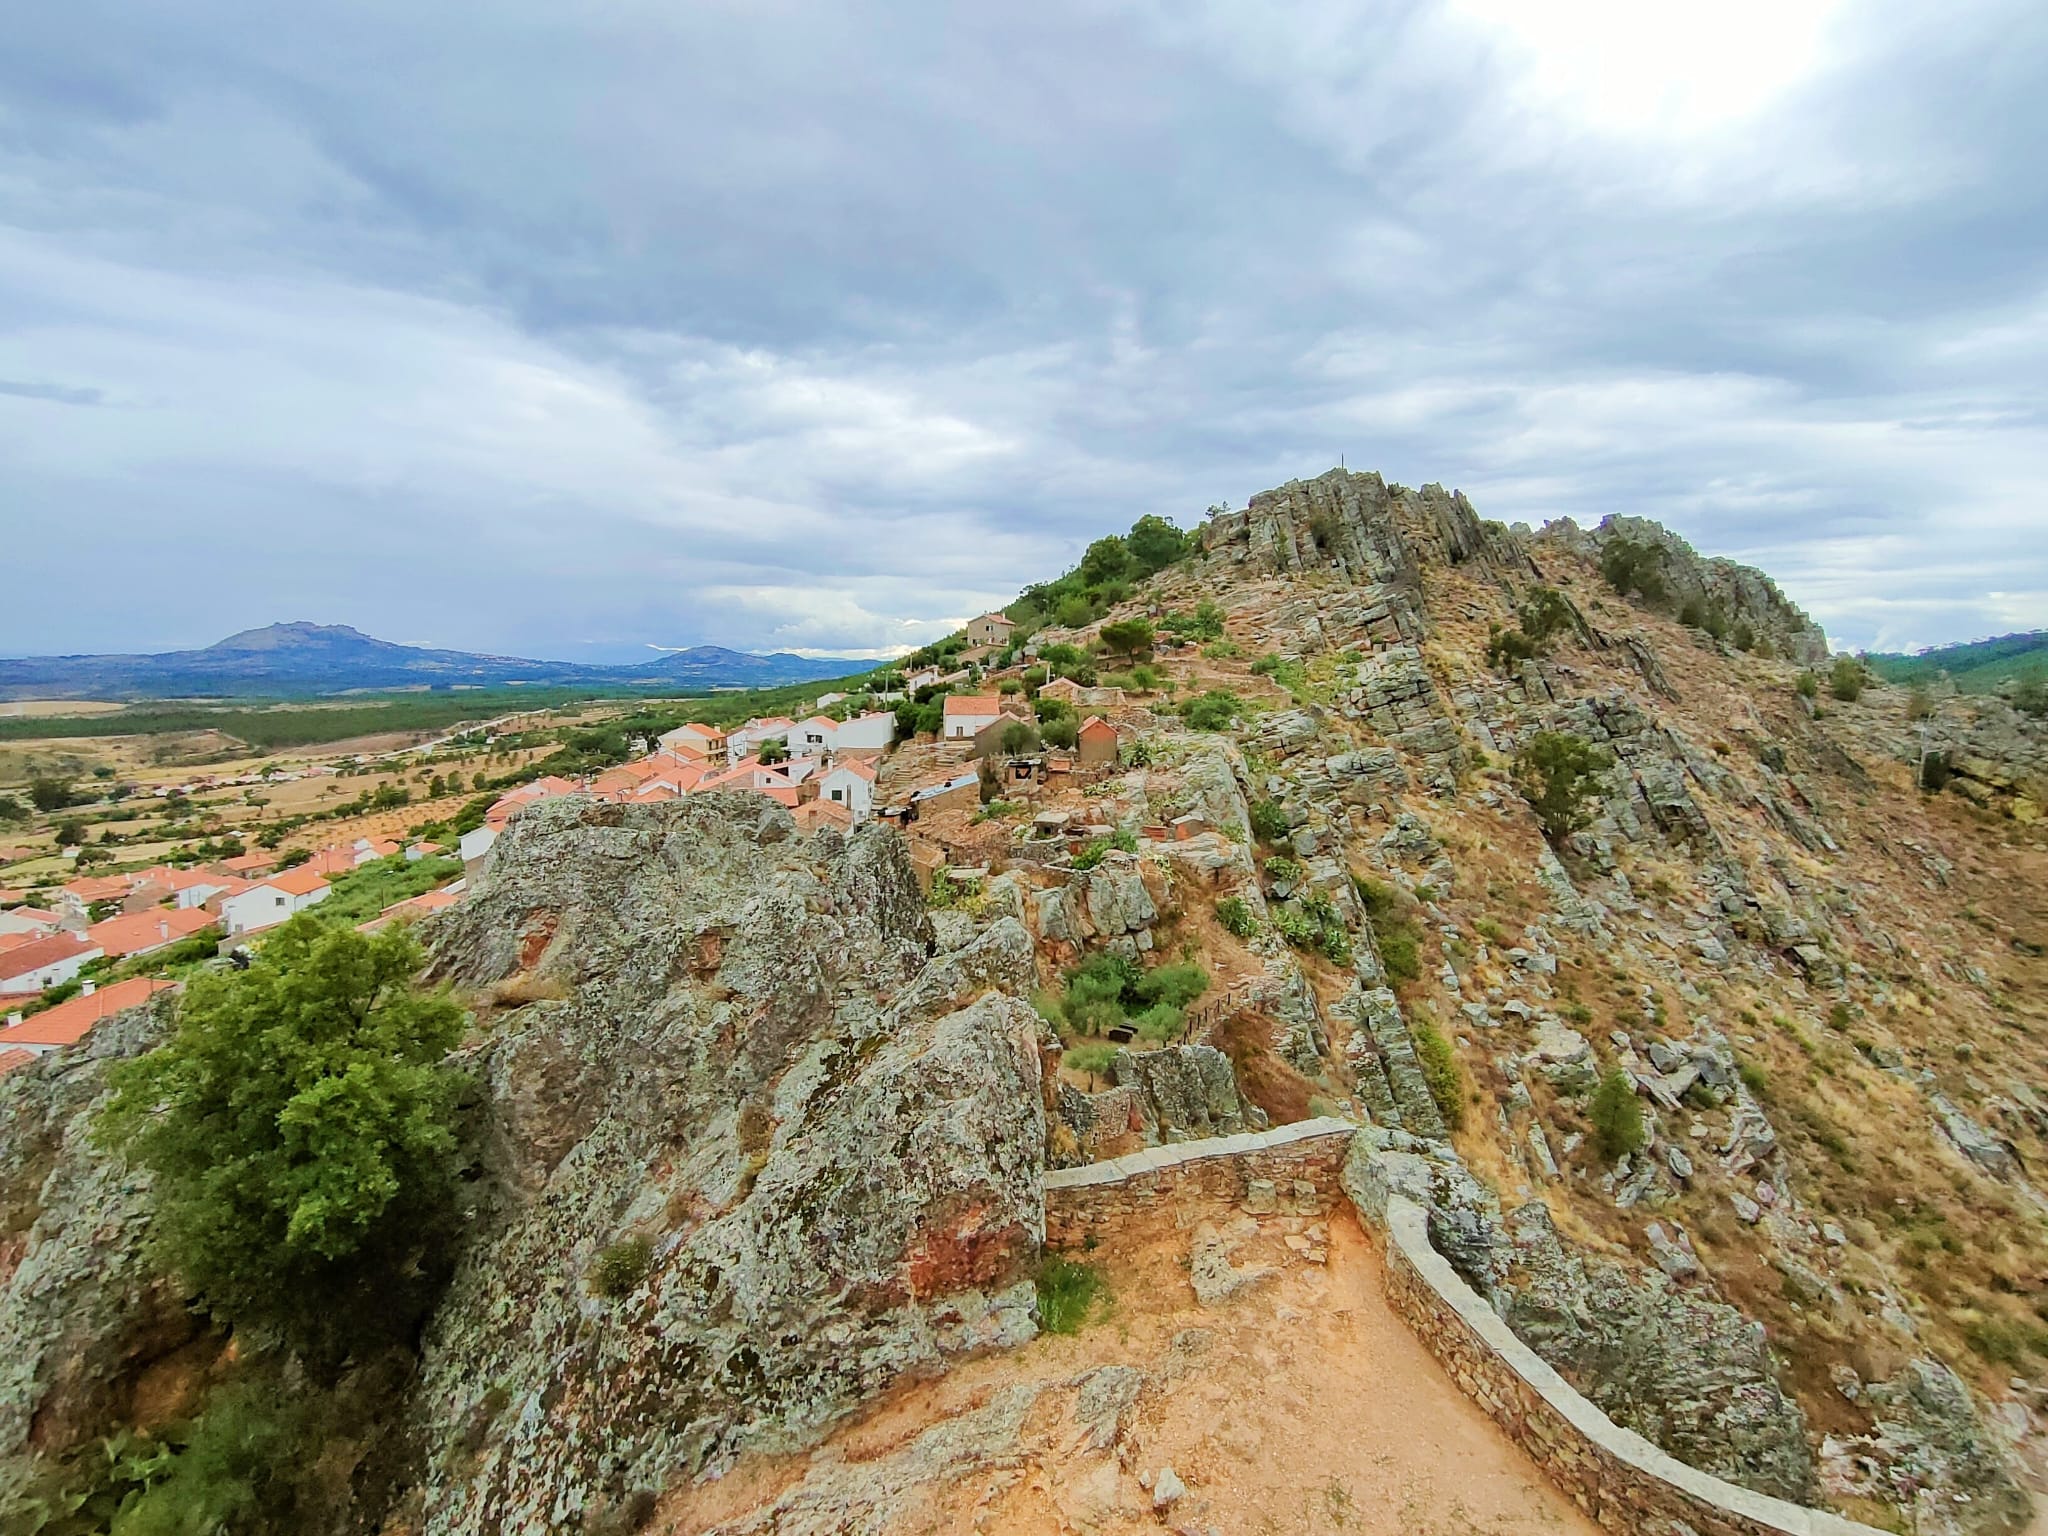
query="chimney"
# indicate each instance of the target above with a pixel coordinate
(163, 928)
(88, 987)
(13, 1019)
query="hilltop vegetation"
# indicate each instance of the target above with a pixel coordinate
(1977, 666)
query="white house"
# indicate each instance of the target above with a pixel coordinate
(967, 714)
(865, 733)
(46, 962)
(746, 741)
(476, 842)
(924, 677)
(851, 783)
(812, 737)
(826, 700)
(270, 903)
(28, 920)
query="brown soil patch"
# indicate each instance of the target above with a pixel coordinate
(1304, 1406)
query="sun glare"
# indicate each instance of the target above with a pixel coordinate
(1634, 66)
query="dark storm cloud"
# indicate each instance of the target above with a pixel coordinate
(574, 330)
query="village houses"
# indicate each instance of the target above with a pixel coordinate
(273, 901)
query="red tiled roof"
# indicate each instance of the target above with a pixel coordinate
(1096, 724)
(973, 704)
(302, 881)
(52, 949)
(91, 888)
(67, 1023)
(140, 931)
(11, 1059)
(858, 767)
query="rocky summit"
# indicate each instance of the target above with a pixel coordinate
(934, 1172)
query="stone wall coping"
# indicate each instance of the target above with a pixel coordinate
(1407, 1228)
(1117, 1169)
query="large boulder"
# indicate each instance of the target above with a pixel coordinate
(1687, 1372)
(82, 1312)
(809, 1158)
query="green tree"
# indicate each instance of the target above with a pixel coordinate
(1060, 731)
(70, 832)
(773, 750)
(1128, 637)
(1154, 543)
(299, 1127)
(1617, 1117)
(1107, 560)
(1017, 737)
(1555, 772)
(1845, 681)
(1545, 614)
(49, 794)
(12, 810)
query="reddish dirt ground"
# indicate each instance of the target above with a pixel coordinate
(1303, 1406)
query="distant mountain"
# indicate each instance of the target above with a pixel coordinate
(1977, 666)
(299, 659)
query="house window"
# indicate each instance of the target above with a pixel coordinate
(838, 794)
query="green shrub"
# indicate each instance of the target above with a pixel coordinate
(1269, 821)
(1282, 870)
(1123, 840)
(1159, 1024)
(622, 1266)
(1394, 930)
(1845, 680)
(1069, 1292)
(1222, 650)
(1176, 985)
(299, 1126)
(1440, 1071)
(1093, 1060)
(1808, 686)
(1235, 913)
(1635, 569)
(1506, 646)
(1557, 773)
(1754, 1078)
(1545, 614)
(1617, 1117)
(1211, 711)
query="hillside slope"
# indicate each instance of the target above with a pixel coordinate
(1977, 666)
(1727, 1092)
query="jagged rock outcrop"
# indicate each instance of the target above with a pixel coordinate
(81, 1309)
(1745, 595)
(1181, 1093)
(737, 1053)
(1687, 1372)
(1927, 1451)
(1369, 532)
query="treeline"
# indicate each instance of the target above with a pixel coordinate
(283, 725)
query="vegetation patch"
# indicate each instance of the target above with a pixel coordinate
(1070, 1294)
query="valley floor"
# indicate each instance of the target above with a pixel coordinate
(1302, 1406)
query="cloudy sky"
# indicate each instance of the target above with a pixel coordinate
(574, 329)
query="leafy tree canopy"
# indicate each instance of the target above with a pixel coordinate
(1556, 772)
(298, 1124)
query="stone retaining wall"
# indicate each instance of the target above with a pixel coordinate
(1621, 1480)
(1291, 1170)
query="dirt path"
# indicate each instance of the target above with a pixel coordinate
(1303, 1406)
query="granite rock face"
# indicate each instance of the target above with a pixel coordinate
(1685, 1371)
(737, 1060)
(1746, 595)
(81, 1310)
